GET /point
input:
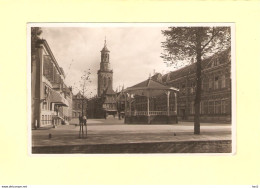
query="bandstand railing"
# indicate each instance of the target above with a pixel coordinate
(151, 113)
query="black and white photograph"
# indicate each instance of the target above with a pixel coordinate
(131, 88)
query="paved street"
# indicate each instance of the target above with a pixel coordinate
(114, 131)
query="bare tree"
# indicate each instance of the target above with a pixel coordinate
(186, 43)
(84, 90)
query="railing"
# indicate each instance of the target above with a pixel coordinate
(158, 112)
(153, 113)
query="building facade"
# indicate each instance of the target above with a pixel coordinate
(216, 97)
(79, 105)
(51, 99)
(95, 108)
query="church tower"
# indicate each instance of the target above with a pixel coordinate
(105, 74)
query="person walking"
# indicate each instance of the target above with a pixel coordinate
(85, 120)
(80, 119)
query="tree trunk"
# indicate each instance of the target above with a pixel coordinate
(198, 82)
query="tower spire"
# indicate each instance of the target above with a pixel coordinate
(105, 41)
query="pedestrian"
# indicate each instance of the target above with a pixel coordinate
(85, 120)
(80, 119)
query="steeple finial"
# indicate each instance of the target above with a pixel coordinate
(105, 41)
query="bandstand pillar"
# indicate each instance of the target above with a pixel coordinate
(130, 111)
(148, 108)
(168, 103)
(125, 106)
(175, 105)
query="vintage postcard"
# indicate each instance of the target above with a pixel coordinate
(140, 88)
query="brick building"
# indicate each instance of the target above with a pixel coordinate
(216, 88)
(79, 103)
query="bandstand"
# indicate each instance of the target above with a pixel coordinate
(150, 102)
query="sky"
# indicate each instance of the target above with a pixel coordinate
(134, 53)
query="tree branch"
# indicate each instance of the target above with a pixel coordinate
(212, 37)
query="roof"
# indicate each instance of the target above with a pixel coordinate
(105, 49)
(62, 71)
(149, 88)
(191, 69)
(110, 91)
(148, 83)
(45, 43)
(157, 77)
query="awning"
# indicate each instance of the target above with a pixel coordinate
(57, 98)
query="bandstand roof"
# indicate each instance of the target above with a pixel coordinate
(149, 88)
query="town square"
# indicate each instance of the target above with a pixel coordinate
(131, 89)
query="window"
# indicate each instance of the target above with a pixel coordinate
(210, 83)
(216, 82)
(217, 107)
(223, 81)
(183, 89)
(206, 84)
(201, 107)
(192, 88)
(211, 107)
(43, 119)
(223, 106)
(192, 108)
(205, 105)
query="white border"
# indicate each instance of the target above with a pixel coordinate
(29, 90)
(133, 24)
(134, 186)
